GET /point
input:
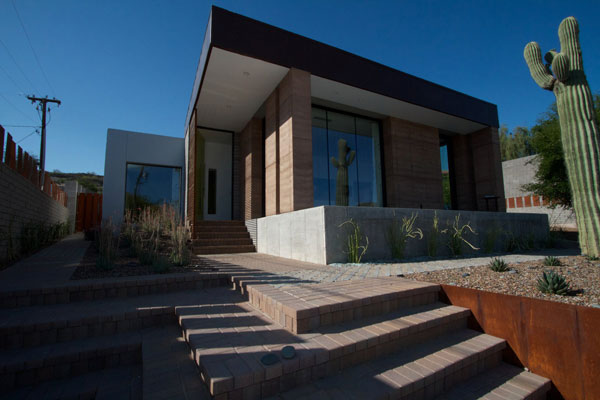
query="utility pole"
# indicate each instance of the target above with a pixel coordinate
(43, 102)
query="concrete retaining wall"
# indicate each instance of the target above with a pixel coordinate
(315, 234)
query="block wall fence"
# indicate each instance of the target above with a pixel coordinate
(22, 200)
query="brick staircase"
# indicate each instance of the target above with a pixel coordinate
(376, 338)
(219, 237)
(190, 336)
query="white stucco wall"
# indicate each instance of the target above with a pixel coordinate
(124, 147)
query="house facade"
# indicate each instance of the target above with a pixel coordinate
(278, 123)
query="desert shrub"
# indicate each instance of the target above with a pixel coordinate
(553, 283)
(457, 238)
(160, 264)
(551, 261)
(498, 265)
(399, 234)
(491, 237)
(180, 254)
(354, 247)
(108, 245)
(35, 235)
(433, 239)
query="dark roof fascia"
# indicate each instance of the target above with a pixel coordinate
(245, 36)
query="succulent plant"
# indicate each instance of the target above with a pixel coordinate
(345, 158)
(498, 265)
(563, 74)
(551, 261)
(553, 283)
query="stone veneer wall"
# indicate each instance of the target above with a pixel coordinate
(412, 166)
(20, 203)
(288, 145)
(315, 234)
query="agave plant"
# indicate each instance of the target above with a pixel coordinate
(553, 283)
(551, 261)
(498, 265)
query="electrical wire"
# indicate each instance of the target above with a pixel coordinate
(12, 80)
(20, 126)
(16, 108)
(20, 140)
(32, 49)
(18, 66)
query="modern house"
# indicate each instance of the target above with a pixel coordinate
(279, 123)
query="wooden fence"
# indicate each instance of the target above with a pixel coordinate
(89, 211)
(20, 161)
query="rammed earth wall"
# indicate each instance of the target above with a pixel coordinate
(315, 234)
(21, 203)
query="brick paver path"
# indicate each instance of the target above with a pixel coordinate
(51, 266)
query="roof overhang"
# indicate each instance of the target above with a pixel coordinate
(243, 61)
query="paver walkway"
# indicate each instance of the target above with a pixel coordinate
(49, 267)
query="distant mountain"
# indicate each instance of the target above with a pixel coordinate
(88, 180)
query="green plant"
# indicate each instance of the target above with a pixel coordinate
(457, 234)
(108, 246)
(553, 283)
(354, 248)
(345, 158)
(592, 258)
(434, 235)
(551, 261)
(398, 235)
(491, 236)
(180, 254)
(161, 265)
(498, 265)
(563, 74)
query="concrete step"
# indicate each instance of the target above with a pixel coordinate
(421, 371)
(42, 325)
(27, 367)
(502, 382)
(108, 384)
(97, 289)
(304, 308)
(228, 341)
(220, 229)
(209, 223)
(222, 235)
(249, 248)
(198, 243)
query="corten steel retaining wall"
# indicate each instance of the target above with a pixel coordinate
(556, 340)
(315, 235)
(21, 200)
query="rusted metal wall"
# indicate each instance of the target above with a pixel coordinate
(89, 211)
(556, 340)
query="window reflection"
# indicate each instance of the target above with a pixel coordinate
(346, 159)
(148, 185)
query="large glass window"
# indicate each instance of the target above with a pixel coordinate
(148, 185)
(346, 159)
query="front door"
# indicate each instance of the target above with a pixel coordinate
(217, 174)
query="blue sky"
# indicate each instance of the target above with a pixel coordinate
(131, 64)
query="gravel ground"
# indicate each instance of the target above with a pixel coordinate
(128, 266)
(582, 274)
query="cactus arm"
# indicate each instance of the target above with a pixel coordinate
(351, 157)
(539, 72)
(560, 67)
(550, 56)
(335, 162)
(568, 34)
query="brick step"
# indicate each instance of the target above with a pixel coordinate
(221, 235)
(227, 222)
(198, 243)
(96, 289)
(228, 341)
(502, 382)
(26, 367)
(249, 248)
(304, 308)
(42, 325)
(115, 383)
(220, 229)
(421, 371)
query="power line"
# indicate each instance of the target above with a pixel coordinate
(20, 126)
(18, 66)
(16, 108)
(19, 141)
(44, 104)
(32, 49)
(13, 81)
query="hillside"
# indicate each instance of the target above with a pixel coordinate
(88, 180)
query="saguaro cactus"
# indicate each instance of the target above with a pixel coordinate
(578, 126)
(345, 158)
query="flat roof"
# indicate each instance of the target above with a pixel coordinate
(245, 36)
